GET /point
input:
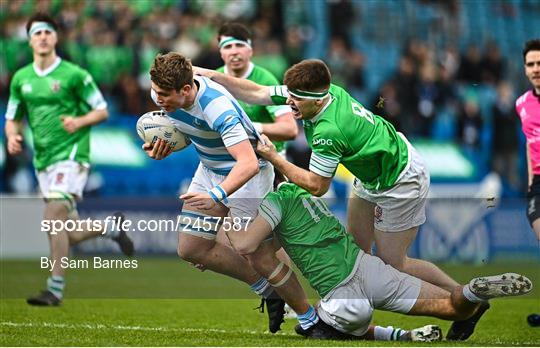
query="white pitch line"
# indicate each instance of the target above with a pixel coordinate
(135, 328)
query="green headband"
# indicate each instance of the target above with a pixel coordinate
(37, 26)
(307, 95)
(227, 40)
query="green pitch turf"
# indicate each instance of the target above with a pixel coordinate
(165, 302)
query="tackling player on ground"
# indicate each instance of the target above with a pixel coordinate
(528, 109)
(352, 283)
(61, 102)
(229, 182)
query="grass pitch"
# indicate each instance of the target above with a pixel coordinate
(165, 302)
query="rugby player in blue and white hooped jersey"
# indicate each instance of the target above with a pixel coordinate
(229, 179)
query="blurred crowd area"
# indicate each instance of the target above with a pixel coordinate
(446, 70)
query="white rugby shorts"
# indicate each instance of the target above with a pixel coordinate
(64, 177)
(372, 285)
(402, 206)
(244, 202)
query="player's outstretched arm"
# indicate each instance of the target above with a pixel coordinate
(243, 89)
(14, 136)
(246, 240)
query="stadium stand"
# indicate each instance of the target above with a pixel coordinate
(117, 40)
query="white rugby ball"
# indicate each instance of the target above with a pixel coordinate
(156, 125)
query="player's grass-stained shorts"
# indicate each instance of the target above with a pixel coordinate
(65, 177)
(243, 204)
(402, 206)
(372, 285)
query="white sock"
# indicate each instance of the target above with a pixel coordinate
(56, 284)
(262, 287)
(388, 333)
(471, 296)
(308, 319)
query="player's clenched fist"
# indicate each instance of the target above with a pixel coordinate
(14, 144)
(70, 124)
(265, 147)
(160, 150)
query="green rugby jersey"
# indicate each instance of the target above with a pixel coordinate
(62, 89)
(346, 132)
(261, 113)
(311, 235)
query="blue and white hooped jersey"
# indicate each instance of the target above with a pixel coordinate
(214, 122)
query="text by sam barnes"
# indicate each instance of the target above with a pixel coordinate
(96, 263)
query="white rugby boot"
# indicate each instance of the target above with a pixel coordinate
(428, 333)
(502, 285)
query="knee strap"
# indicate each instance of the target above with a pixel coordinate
(276, 272)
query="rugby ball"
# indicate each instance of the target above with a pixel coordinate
(156, 125)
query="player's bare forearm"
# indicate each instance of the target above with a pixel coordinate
(72, 124)
(239, 175)
(246, 166)
(247, 240)
(284, 128)
(93, 117)
(243, 89)
(14, 136)
(13, 128)
(309, 181)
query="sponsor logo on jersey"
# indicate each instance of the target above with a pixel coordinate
(55, 86)
(26, 88)
(197, 123)
(322, 142)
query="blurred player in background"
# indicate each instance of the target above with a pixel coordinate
(391, 182)
(275, 121)
(528, 109)
(61, 102)
(352, 283)
(229, 183)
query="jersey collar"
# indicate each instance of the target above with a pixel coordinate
(201, 86)
(535, 94)
(248, 72)
(47, 71)
(320, 113)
